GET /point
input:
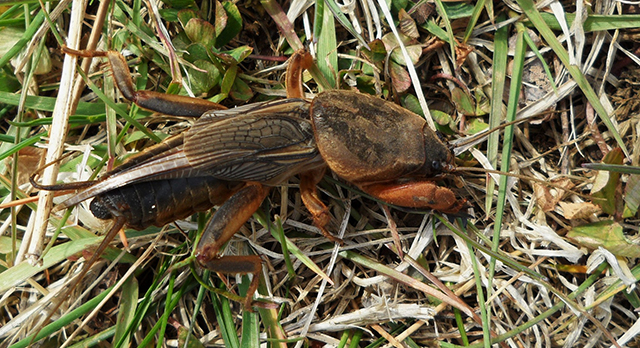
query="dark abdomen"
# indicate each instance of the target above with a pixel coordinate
(160, 202)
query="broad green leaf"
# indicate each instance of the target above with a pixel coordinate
(483, 105)
(240, 54)
(221, 18)
(233, 26)
(229, 79)
(184, 16)
(412, 104)
(137, 135)
(377, 53)
(463, 102)
(432, 27)
(8, 82)
(476, 125)
(444, 121)
(34, 26)
(179, 4)
(391, 44)
(456, 10)
(185, 334)
(442, 118)
(203, 82)
(10, 36)
(6, 244)
(196, 52)
(607, 234)
(200, 31)
(241, 91)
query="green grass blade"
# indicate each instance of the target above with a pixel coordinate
(126, 310)
(326, 31)
(250, 320)
(477, 11)
(618, 168)
(500, 55)
(507, 144)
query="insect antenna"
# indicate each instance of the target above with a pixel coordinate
(523, 177)
(57, 187)
(463, 144)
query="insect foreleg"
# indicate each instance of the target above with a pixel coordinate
(416, 194)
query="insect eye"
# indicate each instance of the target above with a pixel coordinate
(436, 165)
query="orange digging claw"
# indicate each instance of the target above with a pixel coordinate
(418, 194)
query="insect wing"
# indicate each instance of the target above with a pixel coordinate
(268, 142)
(263, 142)
(169, 165)
(165, 160)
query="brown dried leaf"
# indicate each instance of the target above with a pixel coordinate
(575, 211)
(547, 197)
(408, 25)
(28, 163)
(462, 51)
(422, 11)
